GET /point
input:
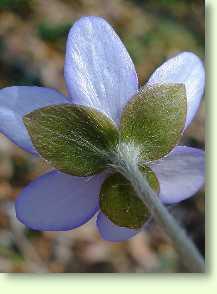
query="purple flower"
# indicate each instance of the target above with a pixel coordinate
(100, 73)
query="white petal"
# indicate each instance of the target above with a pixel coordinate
(184, 68)
(15, 102)
(180, 174)
(98, 69)
(59, 202)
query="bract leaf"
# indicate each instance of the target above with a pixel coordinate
(77, 140)
(154, 119)
(119, 202)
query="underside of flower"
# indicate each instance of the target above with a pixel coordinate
(81, 141)
(105, 129)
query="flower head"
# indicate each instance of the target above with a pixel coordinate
(101, 78)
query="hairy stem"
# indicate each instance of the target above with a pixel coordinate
(187, 251)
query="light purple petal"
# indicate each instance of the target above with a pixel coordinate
(184, 68)
(15, 102)
(112, 232)
(98, 69)
(59, 202)
(180, 174)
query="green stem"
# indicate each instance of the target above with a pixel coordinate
(187, 251)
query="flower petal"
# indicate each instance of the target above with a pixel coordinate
(112, 232)
(98, 69)
(58, 202)
(184, 68)
(15, 102)
(180, 174)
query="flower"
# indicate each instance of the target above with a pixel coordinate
(99, 73)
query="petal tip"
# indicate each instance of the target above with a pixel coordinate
(111, 232)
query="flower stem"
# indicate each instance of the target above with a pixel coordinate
(187, 251)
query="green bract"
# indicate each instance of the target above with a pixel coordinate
(82, 141)
(154, 119)
(119, 202)
(77, 140)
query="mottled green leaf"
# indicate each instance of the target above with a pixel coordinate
(77, 140)
(154, 119)
(119, 202)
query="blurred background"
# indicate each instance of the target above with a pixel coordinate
(32, 47)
